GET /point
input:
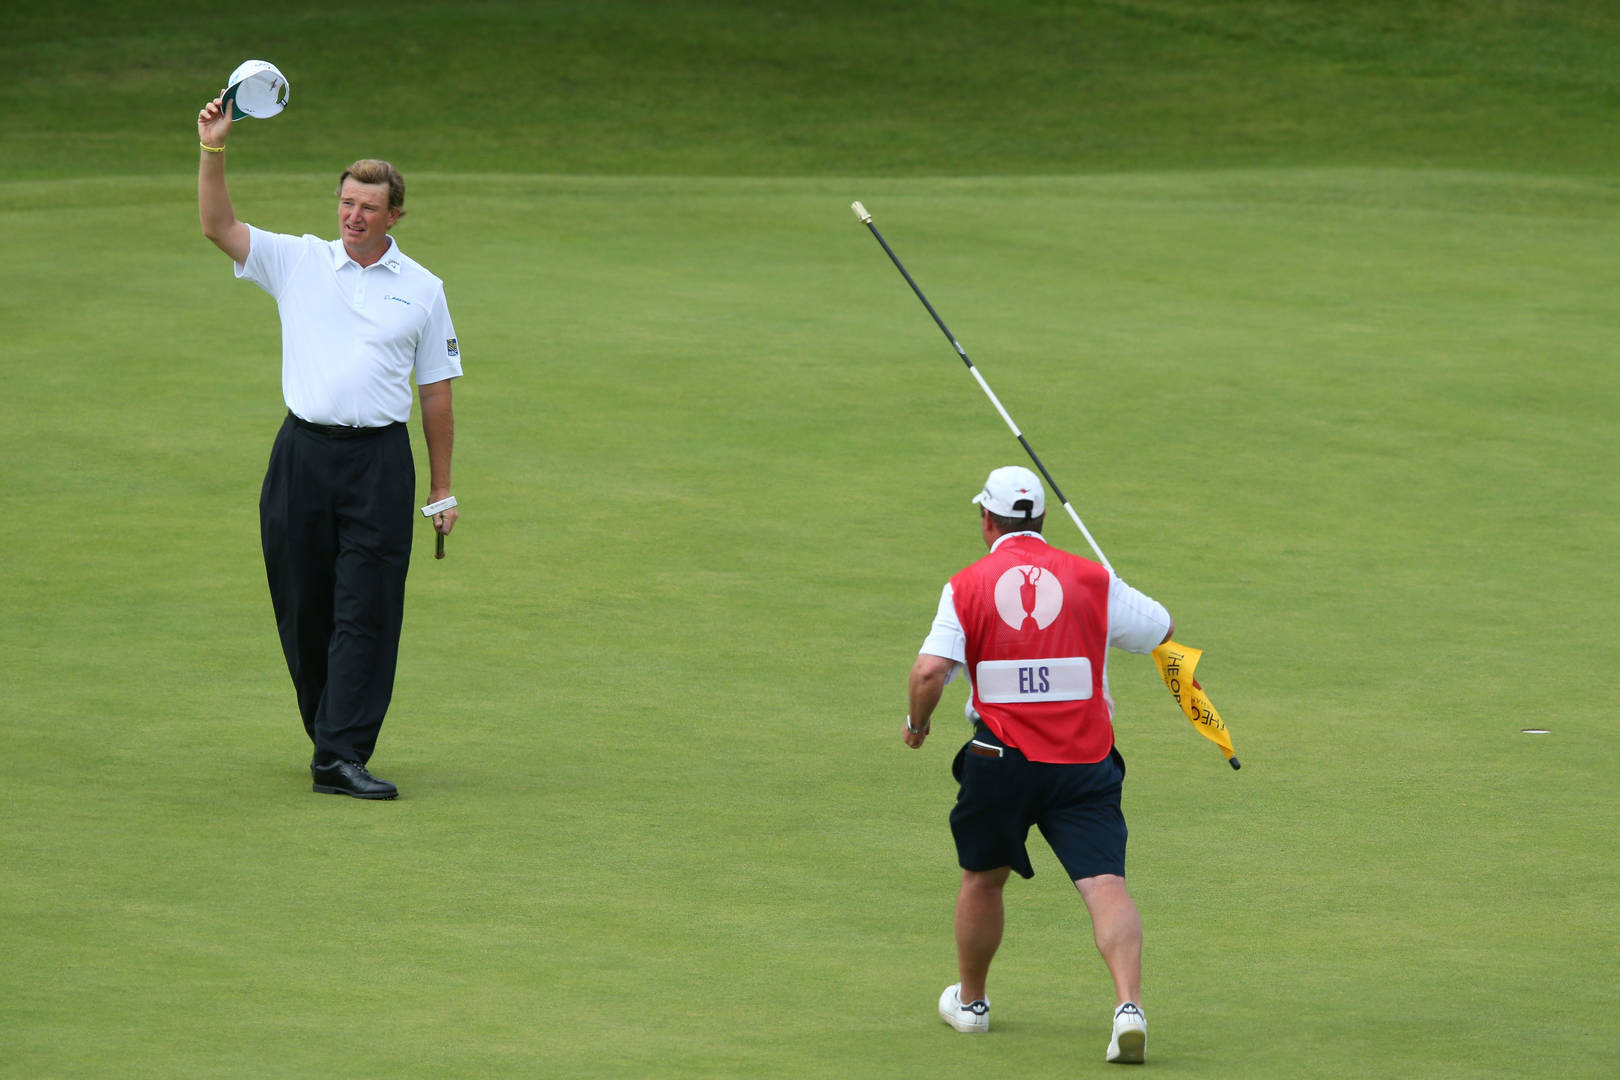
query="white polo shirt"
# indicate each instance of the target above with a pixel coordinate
(352, 337)
(1136, 623)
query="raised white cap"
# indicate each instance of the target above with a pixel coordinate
(256, 88)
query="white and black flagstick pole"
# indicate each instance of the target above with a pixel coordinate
(866, 219)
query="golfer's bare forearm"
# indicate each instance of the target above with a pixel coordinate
(439, 432)
(214, 210)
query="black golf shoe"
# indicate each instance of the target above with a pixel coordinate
(350, 778)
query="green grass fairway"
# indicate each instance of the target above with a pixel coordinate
(1347, 407)
(656, 818)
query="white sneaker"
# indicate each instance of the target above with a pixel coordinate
(1129, 1046)
(974, 1017)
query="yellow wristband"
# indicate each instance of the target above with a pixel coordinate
(211, 149)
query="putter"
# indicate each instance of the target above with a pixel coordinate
(430, 511)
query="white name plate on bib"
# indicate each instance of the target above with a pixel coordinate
(1065, 678)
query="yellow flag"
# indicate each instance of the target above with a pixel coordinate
(1176, 664)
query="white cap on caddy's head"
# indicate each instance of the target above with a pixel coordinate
(256, 88)
(1008, 486)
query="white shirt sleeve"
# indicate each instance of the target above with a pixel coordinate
(438, 354)
(1136, 622)
(271, 259)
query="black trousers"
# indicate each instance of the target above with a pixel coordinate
(335, 519)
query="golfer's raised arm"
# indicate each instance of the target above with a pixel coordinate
(214, 210)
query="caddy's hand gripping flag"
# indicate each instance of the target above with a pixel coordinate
(1176, 664)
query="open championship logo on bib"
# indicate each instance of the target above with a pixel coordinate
(1028, 592)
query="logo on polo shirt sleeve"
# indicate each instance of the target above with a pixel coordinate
(450, 347)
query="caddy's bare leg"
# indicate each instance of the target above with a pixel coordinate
(980, 916)
(1117, 927)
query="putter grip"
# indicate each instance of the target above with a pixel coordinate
(438, 546)
(860, 212)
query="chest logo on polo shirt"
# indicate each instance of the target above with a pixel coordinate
(1028, 593)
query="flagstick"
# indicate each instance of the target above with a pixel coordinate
(866, 219)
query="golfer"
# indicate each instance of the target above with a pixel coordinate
(359, 319)
(1032, 625)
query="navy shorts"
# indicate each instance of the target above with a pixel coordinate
(1076, 807)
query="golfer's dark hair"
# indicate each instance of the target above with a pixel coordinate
(1020, 523)
(373, 171)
